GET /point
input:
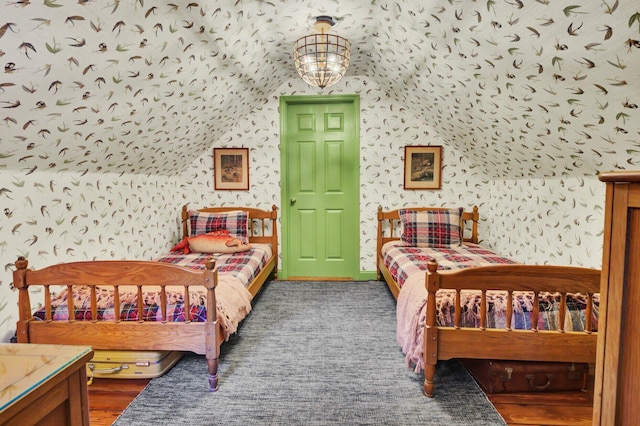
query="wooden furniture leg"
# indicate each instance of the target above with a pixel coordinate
(211, 327)
(429, 376)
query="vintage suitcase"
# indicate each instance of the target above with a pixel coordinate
(495, 376)
(131, 364)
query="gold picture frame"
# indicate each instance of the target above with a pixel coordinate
(422, 167)
(231, 168)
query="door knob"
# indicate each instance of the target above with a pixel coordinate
(293, 201)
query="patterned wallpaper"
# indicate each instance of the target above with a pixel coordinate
(110, 112)
(522, 88)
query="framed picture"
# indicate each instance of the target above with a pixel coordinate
(422, 167)
(231, 168)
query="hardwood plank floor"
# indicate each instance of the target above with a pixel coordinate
(109, 397)
(553, 408)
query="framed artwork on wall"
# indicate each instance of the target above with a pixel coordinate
(422, 167)
(231, 168)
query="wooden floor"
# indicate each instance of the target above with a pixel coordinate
(109, 397)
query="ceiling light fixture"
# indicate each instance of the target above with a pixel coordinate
(322, 59)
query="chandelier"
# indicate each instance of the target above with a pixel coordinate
(322, 59)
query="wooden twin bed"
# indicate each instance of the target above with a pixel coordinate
(154, 305)
(468, 302)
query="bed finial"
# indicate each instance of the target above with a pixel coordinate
(22, 263)
(432, 265)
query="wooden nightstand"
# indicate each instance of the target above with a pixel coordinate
(43, 384)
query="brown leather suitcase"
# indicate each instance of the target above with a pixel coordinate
(497, 376)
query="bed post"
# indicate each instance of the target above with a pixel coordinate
(211, 325)
(185, 222)
(274, 236)
(474, 225)
(431, 330)
(24, 304)
(379, 244)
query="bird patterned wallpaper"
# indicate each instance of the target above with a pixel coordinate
(110, 112)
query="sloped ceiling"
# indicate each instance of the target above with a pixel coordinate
(523, 89)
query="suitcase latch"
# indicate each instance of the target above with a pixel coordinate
(505, 376)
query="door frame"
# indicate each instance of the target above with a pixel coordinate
(285, 101)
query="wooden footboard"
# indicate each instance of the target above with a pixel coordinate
(202, 338)
(442, 343)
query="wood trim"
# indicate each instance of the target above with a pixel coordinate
(620, 176)
(551, 346)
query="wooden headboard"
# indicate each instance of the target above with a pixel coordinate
(262, 223)
(390, 228)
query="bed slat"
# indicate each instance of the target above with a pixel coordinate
(458, 309)
(589, 312)
(116, 302)
(509, 310)
(71, 307)
(187, 304)
(563, 310)
(483, 310)
(94, 305)
(47, 303)
(163, 304)
(535, 314)
(140, 304)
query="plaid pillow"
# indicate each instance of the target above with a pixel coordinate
(236, 222)
(431, 228)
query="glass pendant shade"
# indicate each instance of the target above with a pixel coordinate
(322, 59)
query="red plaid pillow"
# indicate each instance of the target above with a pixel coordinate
(431, 228)
(236, 222)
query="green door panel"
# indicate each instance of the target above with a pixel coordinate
(320, 186)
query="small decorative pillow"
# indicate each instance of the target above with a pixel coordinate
(212, 243)
(236, 222)
(431, 228)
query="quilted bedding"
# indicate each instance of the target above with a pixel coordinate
(235, 272)
(408, 266)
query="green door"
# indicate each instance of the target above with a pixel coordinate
(320, 204)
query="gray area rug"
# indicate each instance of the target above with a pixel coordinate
(313, 353)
